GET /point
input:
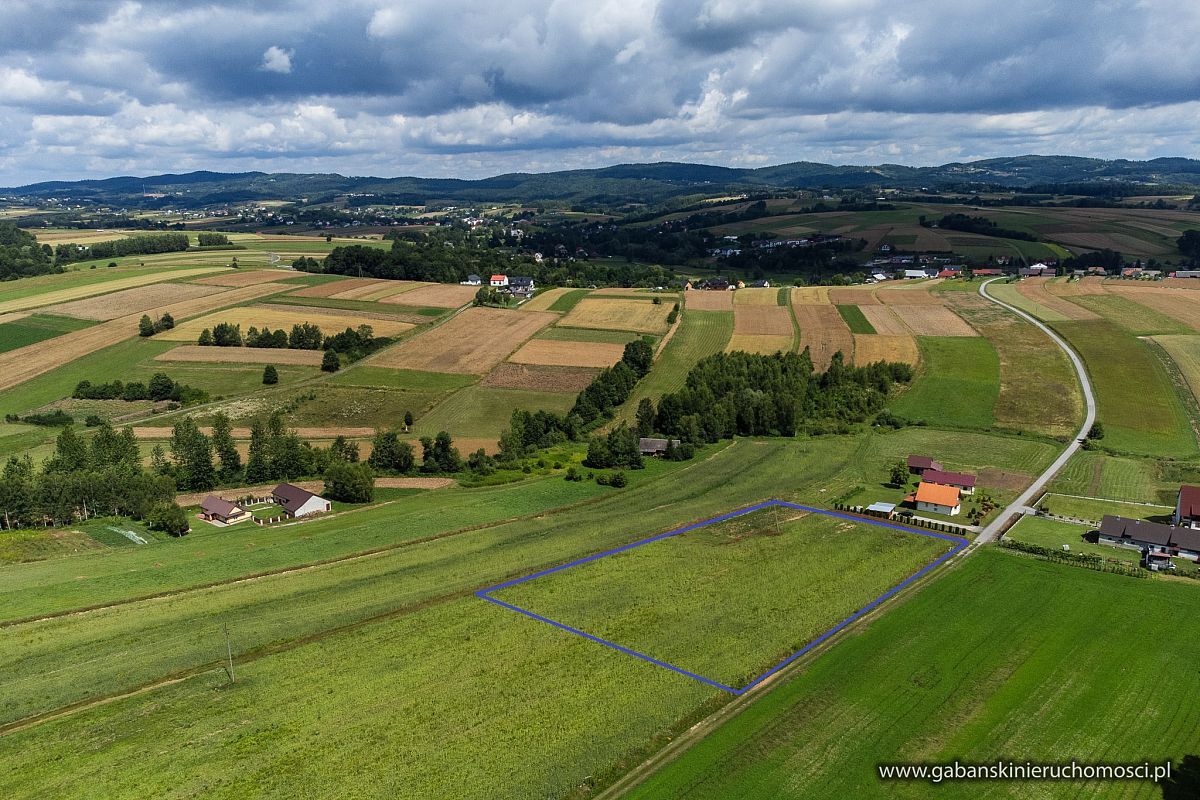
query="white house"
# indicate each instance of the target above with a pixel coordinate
(473, 280)
(498, 281)
(297, 502)
(938, 499)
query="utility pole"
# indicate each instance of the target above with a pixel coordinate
(229, 653)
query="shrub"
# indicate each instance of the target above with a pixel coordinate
(270, 375)
(349, 483)
(170, 518)
(330, 362)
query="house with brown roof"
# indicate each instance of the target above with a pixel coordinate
(297, 502)
(937, 499)
(918, 464)
(1187, 507)
(222, 512)
(962, 480)
(1150, 537)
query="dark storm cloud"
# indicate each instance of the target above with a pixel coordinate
(421, 85)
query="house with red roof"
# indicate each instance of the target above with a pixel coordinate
(498, 281)
(937, 499)
(1187, 507)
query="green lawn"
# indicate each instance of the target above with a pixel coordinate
(1137, 402)
(405, 379)
(1006, 657)
(568, 300)
(1134, 317)
(37, 328)
(479, 411)
(855, 319)
(1094, 510)
(776, 589)
(1054, 534)
(957, 383)
(1093, 473)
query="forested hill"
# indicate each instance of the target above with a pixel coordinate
(620, 183)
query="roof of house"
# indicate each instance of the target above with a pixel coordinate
(223, 508)
(290, 496)
(1189, 501)
(951, 478)
(936, 494)
(499, 277)
(472, 277)
(520, 280)
(923, 462)
(1137, 529)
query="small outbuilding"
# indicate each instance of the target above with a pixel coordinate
(650, 446)
(918, 464)
(886, 510)
(297, 502)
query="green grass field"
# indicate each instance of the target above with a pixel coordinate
(1138, 403)
(854, 318)
(1054, 534)
(775, 589)
(1007, 292)
(1039, 391)
(700, 334)
(479, 411)
(404, 379)
(569, 300)
(37, 328)
(1094, 510)
(1134, 317)
(957, 384)
(1005, 657)
(1098, 474)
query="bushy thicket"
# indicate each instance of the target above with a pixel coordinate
(21, 256)
(161, 387)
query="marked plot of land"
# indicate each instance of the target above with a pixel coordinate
(730, 600)
(336, 287)
(89, 289)
(247, 277)
(933, 321)
(473, 342)
(756, 297)
(823, 332)
(241, 355)
(1035, 289)
(884, 320)
(869, 348)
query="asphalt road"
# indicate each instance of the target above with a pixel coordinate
(1018, 506)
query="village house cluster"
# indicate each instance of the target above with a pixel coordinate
(292, 501)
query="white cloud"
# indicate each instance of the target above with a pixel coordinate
(276, 59)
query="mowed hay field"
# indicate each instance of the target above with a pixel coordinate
(544, 299)
(931, 320)
(540, 377)
(248, 277)
(1137, 402)
(1185, 352)
(1037, 636)
(62, 295)
(871, 347)
(437, 295)
(242, 355)
(1038, 388)
(127, 301)
(756, 297)
(884, 320)
(761, 328)
(619, 314)
(708, 301)
(1178, 304)
(338, 286)
(285, 316)
(472, 342)
(823, 332)
(957, 384)
(556, 353)
(1035, 290)
(18, 366)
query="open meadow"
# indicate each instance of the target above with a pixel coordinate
(957, 384)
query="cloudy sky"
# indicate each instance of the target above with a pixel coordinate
(91, 88)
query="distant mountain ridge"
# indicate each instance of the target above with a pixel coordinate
(619, 183)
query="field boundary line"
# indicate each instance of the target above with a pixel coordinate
(1106, 499)
(959, 544)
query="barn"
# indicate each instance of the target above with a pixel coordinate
(297, 502)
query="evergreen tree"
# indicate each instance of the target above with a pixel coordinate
(439, 454)
(645, 417)
(258, 464)
(639, 356)
(146, 326)
(330, 362)
(192, 453)
(222, 441)
(206, 338)
(270, 375)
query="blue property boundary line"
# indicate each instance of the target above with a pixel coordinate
(959, 544)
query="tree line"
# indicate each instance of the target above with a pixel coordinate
(160, 387)
(21, 256)
(140, 245)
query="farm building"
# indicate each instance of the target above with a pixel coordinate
(655, 447)
(962, 481)
(498, 281)
(297, 502)
(1187, 507)
(214, 509)
(886, 510)
(937, 499)
(1153, 537)
(918, 464)
(1186, 273)
(913, 274)
(763, 284)
(473, 280)
(988, 272)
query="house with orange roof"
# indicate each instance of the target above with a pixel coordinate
(938, 499)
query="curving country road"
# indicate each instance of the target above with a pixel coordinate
(1018, 506)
